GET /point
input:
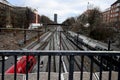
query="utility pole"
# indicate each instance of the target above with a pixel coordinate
(109, 45)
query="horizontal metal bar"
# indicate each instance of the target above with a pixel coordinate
(21, 29)
(55, 24)
(51, 52)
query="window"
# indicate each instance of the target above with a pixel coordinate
(116, 14)
(111, 15)
(117, 9)
(118, 4)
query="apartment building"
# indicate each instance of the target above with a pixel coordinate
(112, 14)
(5, 13)
(106, 16)
(16, 16)
(115, 12)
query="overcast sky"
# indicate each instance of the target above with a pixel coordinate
(64, 8)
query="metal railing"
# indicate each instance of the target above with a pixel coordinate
(99, 56)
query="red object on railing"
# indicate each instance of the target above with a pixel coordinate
(21, 65)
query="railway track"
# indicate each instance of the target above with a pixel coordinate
(52, 58)
(77, 59)
(66, 46)
(86, 63)
(41, 44)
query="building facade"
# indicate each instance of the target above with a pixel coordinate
(112, 14)
(115, 12)
(16, 17)
(5, 13)
(106, 16)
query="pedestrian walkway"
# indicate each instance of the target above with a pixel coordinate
(64, 76)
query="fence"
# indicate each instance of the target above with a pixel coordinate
(99, 56)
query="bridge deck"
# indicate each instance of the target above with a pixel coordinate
(64, 76)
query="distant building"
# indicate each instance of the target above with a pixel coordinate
(55, 18)
(115, 12)
(5, 13)
(25, 16)
(112, 14)
(106, 15)
(16, 17)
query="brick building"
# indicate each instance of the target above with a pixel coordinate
(16, 17)
(5, 13)
(115, 12)
(112, 14)
(106, 16)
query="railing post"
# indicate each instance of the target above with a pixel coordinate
(59, 78)
(82, 64)
(49, 66)
(27, 67)
(91, 68)
(15, 68)
(71, 67)
(38, 67)
(110, 70)
(109, 45)
(119, 71)
(3, 66)
(101, 62)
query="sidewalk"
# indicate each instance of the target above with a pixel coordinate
(64, 76)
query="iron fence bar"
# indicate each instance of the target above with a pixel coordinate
(100, 75)
(59, 77)
(3, 65)
(82, 64)
(119, 71)
(27, 67)
(91, 68)
(15, 67)
(49, 66)
(38, 76)
(110, 70)
(71, 67)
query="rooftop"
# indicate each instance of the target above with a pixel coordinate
(118, 1)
